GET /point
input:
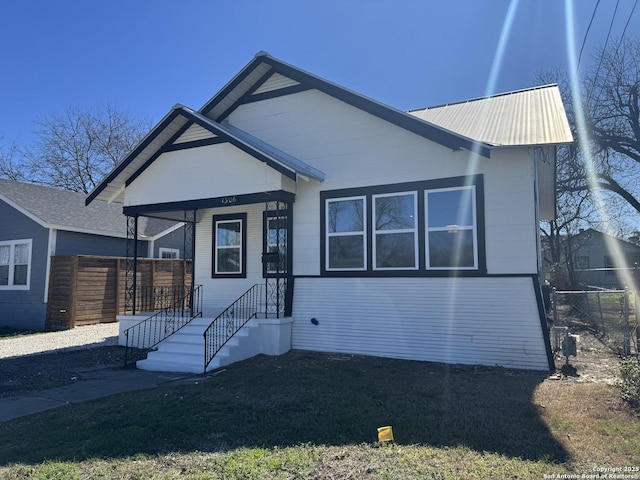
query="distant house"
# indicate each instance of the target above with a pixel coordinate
(37, 223)
(604, 261)
(376, 231)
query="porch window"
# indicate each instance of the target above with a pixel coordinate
(229, 241)
(346, 237)
(451, 228)
(15, 264)
(395, 239)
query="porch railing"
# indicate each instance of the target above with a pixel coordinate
(232, 319)
(144, 336)
(151, 298)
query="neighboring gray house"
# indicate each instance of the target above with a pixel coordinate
(604, 261)
(37, 223)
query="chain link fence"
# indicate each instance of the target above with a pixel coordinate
(610, 316)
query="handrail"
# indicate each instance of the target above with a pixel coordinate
(232, 319)
(145, 335)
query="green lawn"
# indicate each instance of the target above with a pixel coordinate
(306, 415)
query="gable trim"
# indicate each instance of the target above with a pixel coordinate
(384, 112)
(193, 144)
(137, 151)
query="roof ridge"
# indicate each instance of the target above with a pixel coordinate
(485, 97)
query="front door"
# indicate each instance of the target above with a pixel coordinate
(276, 258)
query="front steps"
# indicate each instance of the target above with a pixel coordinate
(184, 350)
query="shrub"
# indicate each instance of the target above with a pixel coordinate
(630, 380)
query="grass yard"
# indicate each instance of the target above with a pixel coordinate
(314, 416)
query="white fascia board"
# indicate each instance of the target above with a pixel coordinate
(165, 232)
(51, 251)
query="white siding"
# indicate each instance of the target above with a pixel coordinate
(488, 321)
(275, 82)
(356, 149)
(194, 132)
(203, 172)
(221, 292)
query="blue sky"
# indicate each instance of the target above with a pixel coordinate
(144, 56)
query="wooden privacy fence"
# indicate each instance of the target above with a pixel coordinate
(86, 290)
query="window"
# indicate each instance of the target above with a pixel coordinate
(451, 228)
(15, 264)
(346, 237)
(582, 262)
(395, 240)
(172, 253)
(229, 245)
(423, 228)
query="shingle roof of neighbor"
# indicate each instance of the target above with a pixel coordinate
(66, 210)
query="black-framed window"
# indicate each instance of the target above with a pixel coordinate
(395, 231)
(346, 239)
(451, 228)
(229, 246)
(427, 228)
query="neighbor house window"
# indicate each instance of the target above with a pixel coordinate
(451, 228)
(15, 264)
(345, 234)
(171, 253)
(424, 228)
(395, 239)
(229, 245)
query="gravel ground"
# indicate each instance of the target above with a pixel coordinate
(88, 336)
(45, 360)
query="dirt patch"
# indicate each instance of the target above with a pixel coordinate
(47, 370)
(594, 363)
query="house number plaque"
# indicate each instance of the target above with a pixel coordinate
(228, 200)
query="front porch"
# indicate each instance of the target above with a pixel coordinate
(239, 302)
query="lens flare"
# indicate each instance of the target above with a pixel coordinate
(584, 141)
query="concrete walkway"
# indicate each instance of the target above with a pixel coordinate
(95, 383)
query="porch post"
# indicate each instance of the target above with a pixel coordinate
(189, 248)
(131, 269)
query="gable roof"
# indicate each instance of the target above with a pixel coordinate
(66, 210)
(178, 129)
(457, 126)
(534, 116)
(266, 73)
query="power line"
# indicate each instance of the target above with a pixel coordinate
(629, 20)
(584, 40)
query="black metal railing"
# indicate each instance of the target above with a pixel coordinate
(144, 336)
(232, 319)
(154, 298)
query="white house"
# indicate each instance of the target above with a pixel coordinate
(410, 235)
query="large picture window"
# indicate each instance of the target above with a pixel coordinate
(15, 264)
(417, 228)
(229, 245)
(346, 236)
